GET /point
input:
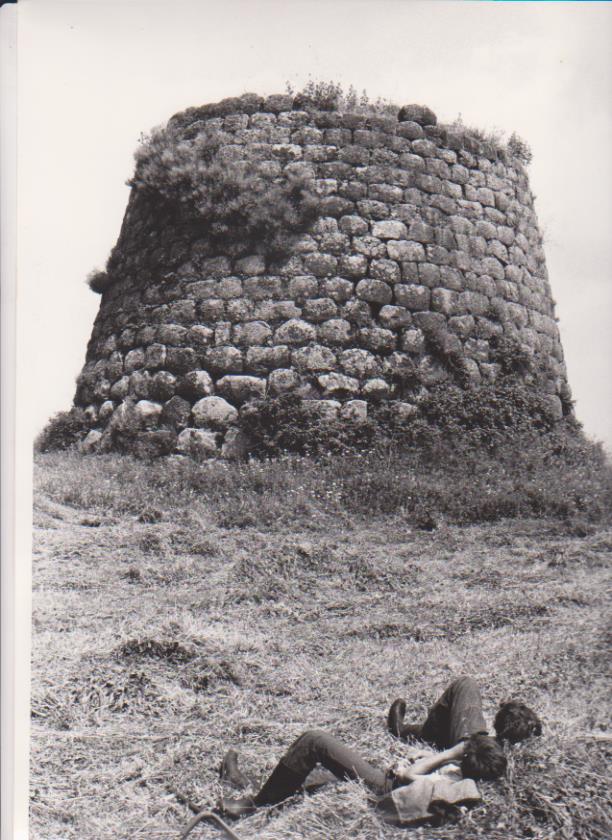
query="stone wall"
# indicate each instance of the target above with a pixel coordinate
(422, 231)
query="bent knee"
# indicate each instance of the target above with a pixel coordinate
(314, 735)
(465, 682)
(314, 739)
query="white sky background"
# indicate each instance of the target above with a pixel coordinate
(93, 75)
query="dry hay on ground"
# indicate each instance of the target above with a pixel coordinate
(157, 645)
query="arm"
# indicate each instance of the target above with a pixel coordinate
(408, 772)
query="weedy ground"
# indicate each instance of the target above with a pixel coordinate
(179, 611)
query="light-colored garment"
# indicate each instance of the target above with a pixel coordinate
(419, 800)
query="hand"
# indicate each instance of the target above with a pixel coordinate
(418, 754)
(402, 770)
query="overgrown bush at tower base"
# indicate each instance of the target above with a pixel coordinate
(64, 430)
(484, 416)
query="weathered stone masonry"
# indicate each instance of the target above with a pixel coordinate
(420, 229)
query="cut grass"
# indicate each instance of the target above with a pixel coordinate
(159, 644)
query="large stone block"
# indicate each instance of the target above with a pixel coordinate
(253, 333)
(314, 358)
(354, 411)
(431, 372)
(370, 246)
(155, 356)
(394, 317)
(337, 384)
(148, 413)
(295, 332)
(91, 443)
(404, 411)
(335, 331)
(175, 413)
(134, 360)
(353, 266)
(410, 129)
(224, 359)
(214, 412)
(413, 341)
(371, 209)
(261, 359)
(428, 321)
(180, 359)
(240, 389)
(374, 291)
(389, 229)
(161, 386)
(403, 250)
(386, 270)
(462, 325)
(338, 289)
(305, 286)
(199, 336)
(359, 363)
(321, 265)
(326, 411)
(263, 287)
(377, 339)
(445, 301)
(114, 366)
(376, 389)
(195, 384)
(230, 288)
(120, 389)
(357, 312)
(419, 114)
(197, 443)
(140, 386)
(353, 225)
(319, 309)
(386, 192)
(274, 310)
(412, 296)
(211, 310)
(282, 381)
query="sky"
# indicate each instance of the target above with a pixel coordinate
(93, 75)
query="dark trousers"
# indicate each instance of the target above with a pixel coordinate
(310, 749)
(456, 715)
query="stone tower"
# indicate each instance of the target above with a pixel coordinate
(420, 230)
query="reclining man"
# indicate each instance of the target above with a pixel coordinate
(455, 724)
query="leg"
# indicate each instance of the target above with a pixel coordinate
(456, 715)
(230, 772)
(312, 748)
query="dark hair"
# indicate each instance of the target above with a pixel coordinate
(515, 722)
(483, 758)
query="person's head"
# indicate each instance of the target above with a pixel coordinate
(483, 758)
(515, 722)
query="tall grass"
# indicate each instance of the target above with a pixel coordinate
(566, 478)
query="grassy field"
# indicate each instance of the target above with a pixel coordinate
(180, 610)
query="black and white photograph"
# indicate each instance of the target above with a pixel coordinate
(311, 393)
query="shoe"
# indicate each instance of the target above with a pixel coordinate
(230, 772)
(395, 718)
(242, 806)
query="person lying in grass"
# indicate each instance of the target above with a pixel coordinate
(455, 724)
